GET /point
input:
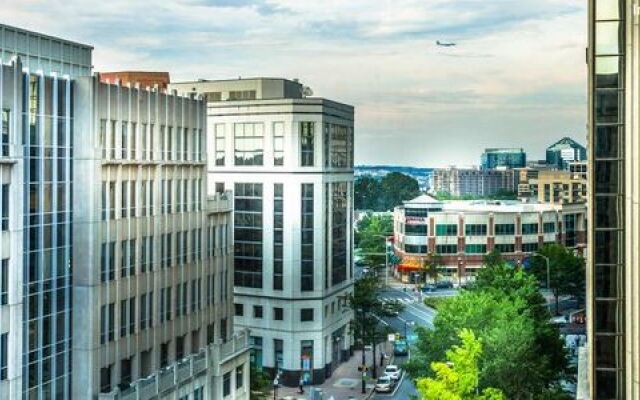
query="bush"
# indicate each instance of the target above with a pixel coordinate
(435, 302)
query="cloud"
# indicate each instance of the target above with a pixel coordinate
(517, 75)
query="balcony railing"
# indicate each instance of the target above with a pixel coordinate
(220, 202)
(171, 377)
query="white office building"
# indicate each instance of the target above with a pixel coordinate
(289, 160)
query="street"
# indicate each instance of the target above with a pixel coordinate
(414, 314)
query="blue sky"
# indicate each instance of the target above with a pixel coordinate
(516, 78)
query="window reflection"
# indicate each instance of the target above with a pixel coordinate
(607, 70)
(607, 106)
(608, 211)
(608, 9)
(607, 141)
(608, 247)
(609, 38)
(607, 176)
(606, 316)
(609, 280)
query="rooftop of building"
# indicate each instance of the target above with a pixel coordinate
(504, 150)
(564, 143)
(480, 206)
(4, 28)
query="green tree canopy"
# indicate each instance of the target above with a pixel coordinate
(567, 274)
(370, 236)
(457, 379)
(505, 310)
(386, 193)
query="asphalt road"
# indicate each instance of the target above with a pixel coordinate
(414, 314)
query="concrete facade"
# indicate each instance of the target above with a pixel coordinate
(152, 287)
(293, 185)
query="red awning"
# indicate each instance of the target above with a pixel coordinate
(408, 268)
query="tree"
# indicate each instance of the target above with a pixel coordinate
(431, 265)
(259, 382)
(370, 237)
(567, 275)
(494, 257)
(458, 378)
(368, 308)
(396, 188)
(505, 309)
(367, 193)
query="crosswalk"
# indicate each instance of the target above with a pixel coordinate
(403, 300)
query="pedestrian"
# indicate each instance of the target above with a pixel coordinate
(301, 385)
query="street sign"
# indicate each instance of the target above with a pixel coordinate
(391, 337)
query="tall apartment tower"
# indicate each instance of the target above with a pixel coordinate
(152, 295)
(613, 278)
(36, 137)
(289, 160)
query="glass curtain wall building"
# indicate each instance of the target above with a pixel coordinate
(613, 257)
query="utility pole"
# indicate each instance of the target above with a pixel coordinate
(364, 372)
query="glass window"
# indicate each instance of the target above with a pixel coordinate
(415, 230)
(609, 9)
(446, 230)
(608, 176)
(278, 314)
(607, 72)
(505, 229)
(4, 208)
(4, 281)
(306, 314)
(307, 144)
(220, 144)
(608, 211)
(339, 144)
(249, 143)
(530, 247)
(239, 376)
(446, 248)
(306, 258)
(257, 312)
(530, 229)
(610, 281)
(278, 201)
(4, 342)
(608, 315)
(607, 105)
(416, 249)
(475, 229)
(248, 235)
(608, 247)
(339, 225)
(608, 141)
(226, 384)
(505, 247)
(475, 248)
(278, 143)
(4, 132)
(549, 227)
(609, 38)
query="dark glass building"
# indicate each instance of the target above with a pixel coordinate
(612, 289)
(562, 152)
(503, 158)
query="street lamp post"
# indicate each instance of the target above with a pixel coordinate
(364, 384)
(275, 388)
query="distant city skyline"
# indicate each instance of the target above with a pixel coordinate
(517, 77)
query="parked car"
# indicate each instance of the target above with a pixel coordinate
(393, 372)
(444, 285)
(384, 384)
(428, 288)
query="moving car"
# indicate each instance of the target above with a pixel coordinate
(393, 372)
(428, 288)
(384, 384)
(444, 285)
(400, 348)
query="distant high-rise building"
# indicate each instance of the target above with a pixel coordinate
(145, 79)
(613, 282)
(473, 181)
(289, 160)
(564, 151)
(503, 158)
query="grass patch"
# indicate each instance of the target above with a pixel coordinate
(434, 301)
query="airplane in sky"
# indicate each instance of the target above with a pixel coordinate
(445, 44)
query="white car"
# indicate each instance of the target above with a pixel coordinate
(384, 384)
(393, 372)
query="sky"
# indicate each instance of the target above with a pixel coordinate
(517, 77)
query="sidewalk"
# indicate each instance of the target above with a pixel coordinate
(345, 383)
